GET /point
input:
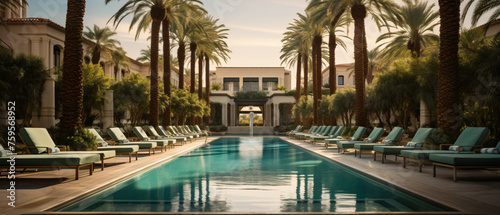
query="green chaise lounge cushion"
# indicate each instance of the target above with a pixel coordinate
(117, 149)
(419, 138)
(468, 159)
(120, 137)
(373, 137)
(469, 138)
(40, 137)
(151, 130)
(52, 159)
(357, 135)
(393, 136)
(144, 137)
(325, 135)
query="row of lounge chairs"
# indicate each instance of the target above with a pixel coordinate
(460, 155)
(40, 151)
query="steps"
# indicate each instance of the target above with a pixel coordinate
(245, 130)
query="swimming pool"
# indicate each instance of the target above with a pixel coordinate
(251, 175)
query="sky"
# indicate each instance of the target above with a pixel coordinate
(256, 27)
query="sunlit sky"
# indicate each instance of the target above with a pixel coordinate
(255, 35)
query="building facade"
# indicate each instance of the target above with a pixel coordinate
(251, 79)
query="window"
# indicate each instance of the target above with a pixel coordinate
(231, 84)
(269, 84)
(57, 56)
(250, 84)
(341, 80)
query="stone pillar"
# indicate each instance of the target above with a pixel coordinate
(107, 113)
(224, 115)
(276, 114)
(260, 84)
(425, 115)
(47, 119)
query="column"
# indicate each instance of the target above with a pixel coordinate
(24, 10)
(107, 113)
(47, 118)
(425, 115)
(276, 114)
(260, 83)
(224, 114)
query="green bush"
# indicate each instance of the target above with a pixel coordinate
(82, 140)
(250, 95)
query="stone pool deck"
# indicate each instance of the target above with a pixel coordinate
(476, 192)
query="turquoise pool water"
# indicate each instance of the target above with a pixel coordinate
(251, 175)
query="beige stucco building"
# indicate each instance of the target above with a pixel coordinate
(246, 79)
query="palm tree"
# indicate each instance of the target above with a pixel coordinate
(483, 7)
(358, 10)
(323, 12)
(144, 12)
(447, 99)
(119, 58)
(103, 44)
(73, 67)
(413, 31)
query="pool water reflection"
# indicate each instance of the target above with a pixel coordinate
(251, 175)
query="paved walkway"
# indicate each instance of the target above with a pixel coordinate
(476, 192)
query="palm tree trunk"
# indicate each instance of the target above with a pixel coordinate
(73, 67)
(447, 99)
(96, 56)
(181, 56)
(297, 85)
(167, 71)
(332, 80)
(368, 74)
(200, 76)
(306, 75)
(154, 103)
(314, 83)
(358, 13)
(207, 85)
(192, 48)
(319, 78)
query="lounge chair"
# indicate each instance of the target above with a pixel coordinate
(124, 150)
(121, 139)
(325, 135)
(191, 129)
(311, 130)
(39, 141)
(416, 143)
(470, 139)
(489, 158)
(318, 130)
(372, 138)
(391, 140)
(178, 131)
(163, 143)
(152, 133)
(54, 160)
(167, 133)
(198, 129)
(293, 131)
(356, 137)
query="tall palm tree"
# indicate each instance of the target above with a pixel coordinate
(413, 30)
(180, 28)
(73, 66)
(146, 12)
(447, 99)
(297, 48)
(323, 11)
(359, 10)
(103, 44)
(119, 58)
